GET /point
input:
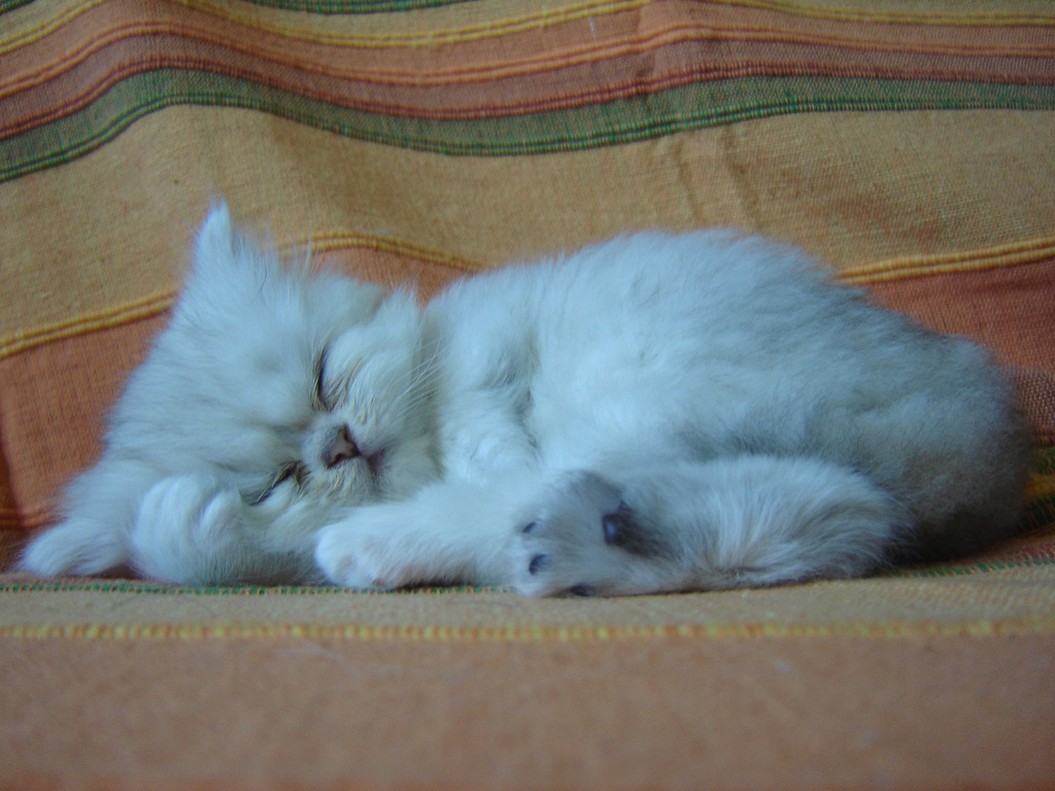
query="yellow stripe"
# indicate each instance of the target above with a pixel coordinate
(326, 241)
(1025, 252)
(254, 17)
(105, 319)
(492, 28)
(928, 18)
(1040, 486)
(1029, 251)
(525, 65)
(517, 633)
(34, 33)
(323, 34)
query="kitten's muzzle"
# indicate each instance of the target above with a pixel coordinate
(342, 447)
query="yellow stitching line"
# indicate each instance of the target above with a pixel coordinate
(525, 633)
(1030, 251)
(1026, 252)
(543, 19)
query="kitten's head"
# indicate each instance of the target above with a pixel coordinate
(304, 391)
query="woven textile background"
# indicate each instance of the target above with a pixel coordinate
(908, 143)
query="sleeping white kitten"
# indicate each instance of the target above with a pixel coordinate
(653, 413)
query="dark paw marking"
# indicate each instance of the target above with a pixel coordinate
(618, 525)
(528, 527)
(622, 530)
(538, 562)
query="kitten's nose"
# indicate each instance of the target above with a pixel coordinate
(341, 448)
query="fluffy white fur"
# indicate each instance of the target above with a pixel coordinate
(653, 413)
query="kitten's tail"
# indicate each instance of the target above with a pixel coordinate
(75, 547)
(92, 537)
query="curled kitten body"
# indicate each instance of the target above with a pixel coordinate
(653, 413)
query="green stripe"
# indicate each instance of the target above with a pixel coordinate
(691, 107)
(976, 567)
(11, 5)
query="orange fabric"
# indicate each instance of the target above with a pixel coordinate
(915, 681)
(911, 147)
(1011, 310)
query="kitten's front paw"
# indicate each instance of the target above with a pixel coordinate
(186, 530)
(583, 540)
(360, 552)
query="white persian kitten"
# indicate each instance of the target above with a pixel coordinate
(653, 413)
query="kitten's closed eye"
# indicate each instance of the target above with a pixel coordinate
(329, 386)
(294, 471)
(318, 394)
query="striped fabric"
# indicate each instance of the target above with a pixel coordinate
(911, 144)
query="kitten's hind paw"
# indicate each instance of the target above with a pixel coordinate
(187, 530)
(584, 540)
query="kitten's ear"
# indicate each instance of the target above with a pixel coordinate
(226, 258)
(217, 243)
(216, 239)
